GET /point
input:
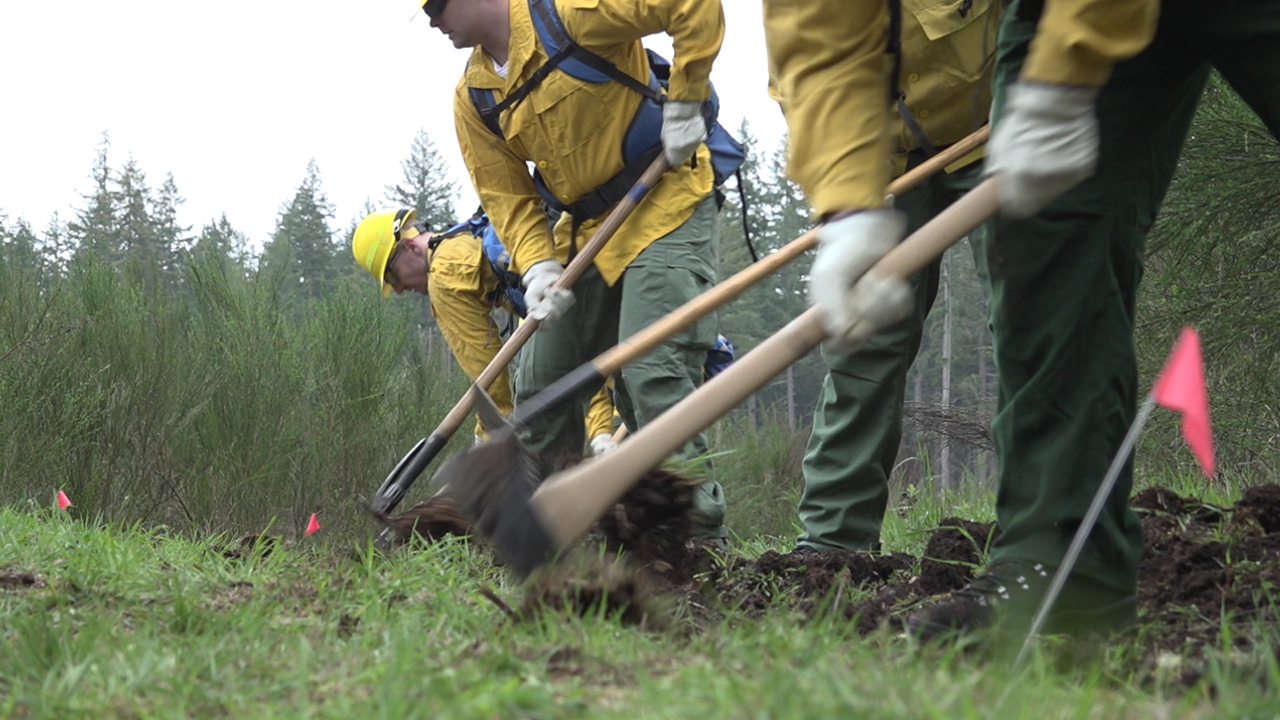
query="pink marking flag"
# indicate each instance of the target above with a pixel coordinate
(64, 502)
(313, 525)
(1180, 387)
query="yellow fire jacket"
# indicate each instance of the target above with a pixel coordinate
(462, 288)
(947, 63)
(841, 159)
(572, 130)
(1078, 41)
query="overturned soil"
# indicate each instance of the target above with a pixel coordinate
(1209, 575)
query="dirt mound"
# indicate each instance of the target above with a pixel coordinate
(1204, 568)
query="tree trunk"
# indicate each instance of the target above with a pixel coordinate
(791, 398)
(944, 455)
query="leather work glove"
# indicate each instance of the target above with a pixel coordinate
(855, 303)
(546, 304)
(1046, 143)
(602, 443)
(683, 129)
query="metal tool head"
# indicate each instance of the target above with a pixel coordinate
(490, 417)
(492, 484)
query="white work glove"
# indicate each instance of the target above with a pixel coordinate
(1045, 143)
(602, 443)
(683, 129)
(546, 304)
(854, 303)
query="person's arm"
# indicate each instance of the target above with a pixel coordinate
(1046, 137)
(696, 28)
(1077, 42)
(838, 148)
(505, 188)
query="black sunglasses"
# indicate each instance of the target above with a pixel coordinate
(389, 276)
(434, 8)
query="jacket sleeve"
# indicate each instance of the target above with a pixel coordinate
(473, 338)
(696, 28)
(838, 146)
(505, 188)
(1078, 41)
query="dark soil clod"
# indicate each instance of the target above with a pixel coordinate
(18, 579)
(433, 519)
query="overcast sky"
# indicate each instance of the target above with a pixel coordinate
(235, 97)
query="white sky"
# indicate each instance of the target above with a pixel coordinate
(235, 97)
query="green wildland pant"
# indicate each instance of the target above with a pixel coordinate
(671, 271)
(857, 424)
(1063, 283)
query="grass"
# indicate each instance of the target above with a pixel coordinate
(130, 622)
(177, 426)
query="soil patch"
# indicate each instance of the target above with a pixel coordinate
(1205, 568)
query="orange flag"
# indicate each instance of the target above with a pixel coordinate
(64, 502)
(1180, 387)
(313, 525)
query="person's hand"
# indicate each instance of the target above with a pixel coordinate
(602, 443)
(854, 303)
(683, 129)
(546, 304)
(1045, 143)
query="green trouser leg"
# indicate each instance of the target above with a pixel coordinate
(588, 328)
(1063, 283)
(857, 424)
(671, 271)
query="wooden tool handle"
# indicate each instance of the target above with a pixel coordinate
(645, 341)
(454, 419)
(571, 501)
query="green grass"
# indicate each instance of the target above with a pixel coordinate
(131, 623)
(180, 422)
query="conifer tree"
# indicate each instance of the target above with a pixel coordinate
(302, 249)
(426, 184)
(139, 243)
(20, 248)
(57, 246)
(173, 240)
(95, 228)
(218, 239)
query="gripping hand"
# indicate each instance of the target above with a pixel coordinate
(546, 304)
(1046, 143)
(683, 129)
(854, 301)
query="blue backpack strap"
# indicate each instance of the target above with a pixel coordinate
(482, 100)
(642, 142)
(578, 61)
(500, 260)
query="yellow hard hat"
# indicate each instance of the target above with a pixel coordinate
(375, 237)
